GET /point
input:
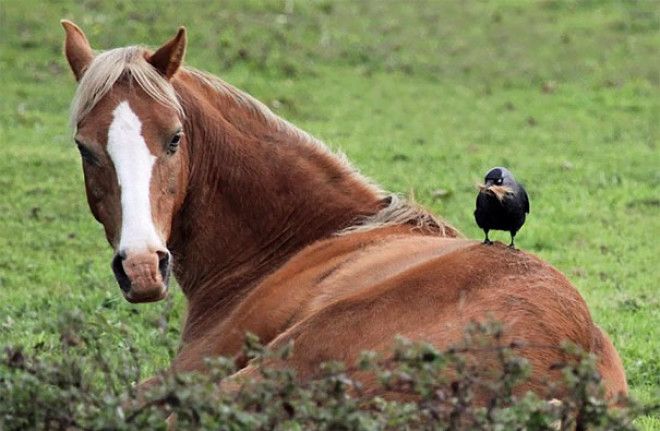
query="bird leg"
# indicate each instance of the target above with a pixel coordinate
(512, 245)
(487, 241)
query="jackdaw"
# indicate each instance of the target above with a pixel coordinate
(501, 203)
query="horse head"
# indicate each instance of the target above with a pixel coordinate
(129, 129)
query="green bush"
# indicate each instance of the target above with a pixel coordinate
(78, 389)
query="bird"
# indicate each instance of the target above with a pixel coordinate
(502, 204)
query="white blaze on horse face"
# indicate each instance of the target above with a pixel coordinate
(134, 164)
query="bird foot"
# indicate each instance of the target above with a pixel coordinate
(487, 242)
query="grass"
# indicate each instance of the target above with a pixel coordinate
(422, 97)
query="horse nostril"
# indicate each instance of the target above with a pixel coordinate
(163, 258)
(164, 265)
(120, 274)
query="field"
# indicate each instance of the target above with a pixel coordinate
(423, 97)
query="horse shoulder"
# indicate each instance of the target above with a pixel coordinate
(278, 301)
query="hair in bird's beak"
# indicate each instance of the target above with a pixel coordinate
(498, 191)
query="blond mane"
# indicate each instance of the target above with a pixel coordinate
(107, 68)
(110, 66)
(400, 211)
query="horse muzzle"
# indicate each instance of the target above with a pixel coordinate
(144, 276)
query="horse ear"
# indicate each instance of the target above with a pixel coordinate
(169, 57)
(76, 48)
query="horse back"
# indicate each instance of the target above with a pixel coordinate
(352, 293)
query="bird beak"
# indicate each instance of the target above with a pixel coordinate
(498, 191)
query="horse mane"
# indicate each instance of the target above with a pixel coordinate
(400, 211)
(131, 62)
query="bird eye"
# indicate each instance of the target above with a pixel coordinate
(499, 181)
(174, 143)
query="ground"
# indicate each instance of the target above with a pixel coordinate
(422, 97)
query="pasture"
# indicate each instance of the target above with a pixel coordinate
(422, 99)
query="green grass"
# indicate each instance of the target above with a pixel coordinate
(421, 96)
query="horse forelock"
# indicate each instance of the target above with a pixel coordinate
(110, 66)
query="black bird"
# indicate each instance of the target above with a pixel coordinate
(502, 204)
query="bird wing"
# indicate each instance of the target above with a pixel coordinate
(524, 198)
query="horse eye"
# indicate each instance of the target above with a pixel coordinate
(87, 155)
(174, 143)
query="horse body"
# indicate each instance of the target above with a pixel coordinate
(347, 294)
(271, 233)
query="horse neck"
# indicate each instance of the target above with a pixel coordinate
(259, 190)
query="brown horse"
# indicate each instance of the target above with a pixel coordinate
(268, 231)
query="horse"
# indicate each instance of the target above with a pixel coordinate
(268, 231)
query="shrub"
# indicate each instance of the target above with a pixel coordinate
(80, 388)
